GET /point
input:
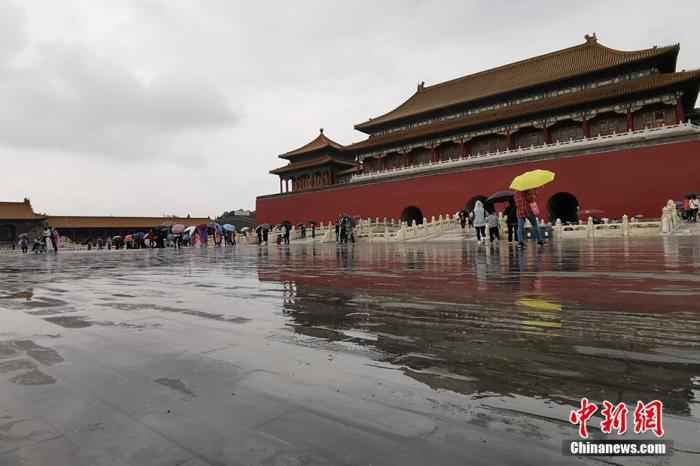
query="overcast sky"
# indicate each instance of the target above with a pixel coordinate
(151, 107)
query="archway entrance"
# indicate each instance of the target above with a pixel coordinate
(410, 214)
(563, 206)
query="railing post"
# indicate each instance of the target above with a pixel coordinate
(558, 228)
(625, 225)
(401, 234)
(590, 229)
(667, 218)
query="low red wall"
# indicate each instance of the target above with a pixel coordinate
(633, 181)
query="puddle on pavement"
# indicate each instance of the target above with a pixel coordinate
(33, 377)
(175, 384)
(70, 321)
(15, 365)
(25, 371)
(544, 326)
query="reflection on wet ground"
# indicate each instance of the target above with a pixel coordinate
(409, 354)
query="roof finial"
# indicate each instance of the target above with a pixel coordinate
(421, 86)
(591, 38)
(321, 130)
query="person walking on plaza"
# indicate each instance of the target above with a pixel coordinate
(492, 222)
(24, 244)
(527, 209)
(693, 206)
(47, 237)
(463, 218)
(55, 238)
(480, 221)
(512, 221)
(285, 232)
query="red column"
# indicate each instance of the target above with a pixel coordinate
(461, 149)
(586, 128)
(630, 120)
(680, 112)
(280, 184)
(433, 154)
(547, 135)
(510, 141)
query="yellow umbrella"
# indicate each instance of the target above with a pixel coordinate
(532, 179)
(540, 304)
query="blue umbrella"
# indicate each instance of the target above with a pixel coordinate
(229, 227)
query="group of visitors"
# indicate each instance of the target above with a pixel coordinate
(344, 230)
(49, 239)
(521, 208)
(690, 207)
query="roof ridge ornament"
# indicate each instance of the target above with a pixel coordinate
(421, 86)
(591, 38)
(321, 130)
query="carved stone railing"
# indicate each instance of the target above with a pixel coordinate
(556, 147)
(384, 230)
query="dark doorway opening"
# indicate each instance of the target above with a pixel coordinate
(7, 233)
(563, 206)
(410, 214)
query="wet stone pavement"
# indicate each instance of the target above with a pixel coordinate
(332, 355)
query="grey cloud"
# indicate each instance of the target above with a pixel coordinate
(66, 98)
(155, 78)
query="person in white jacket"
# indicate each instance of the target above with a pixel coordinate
(480, 220)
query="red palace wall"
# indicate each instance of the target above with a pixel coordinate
(631, 181)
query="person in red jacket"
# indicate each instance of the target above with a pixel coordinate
(526, 208)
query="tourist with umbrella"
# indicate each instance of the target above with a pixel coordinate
(229, 234)
(286, 228)
(24, 242)
(509, 213)
(480, 221)
(693, 206)
(218, 233)
(462, 218)
(511, 216)
(177, 230)
(526, 206)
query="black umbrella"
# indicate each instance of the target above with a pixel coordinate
(691, 195)
(501, 196)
